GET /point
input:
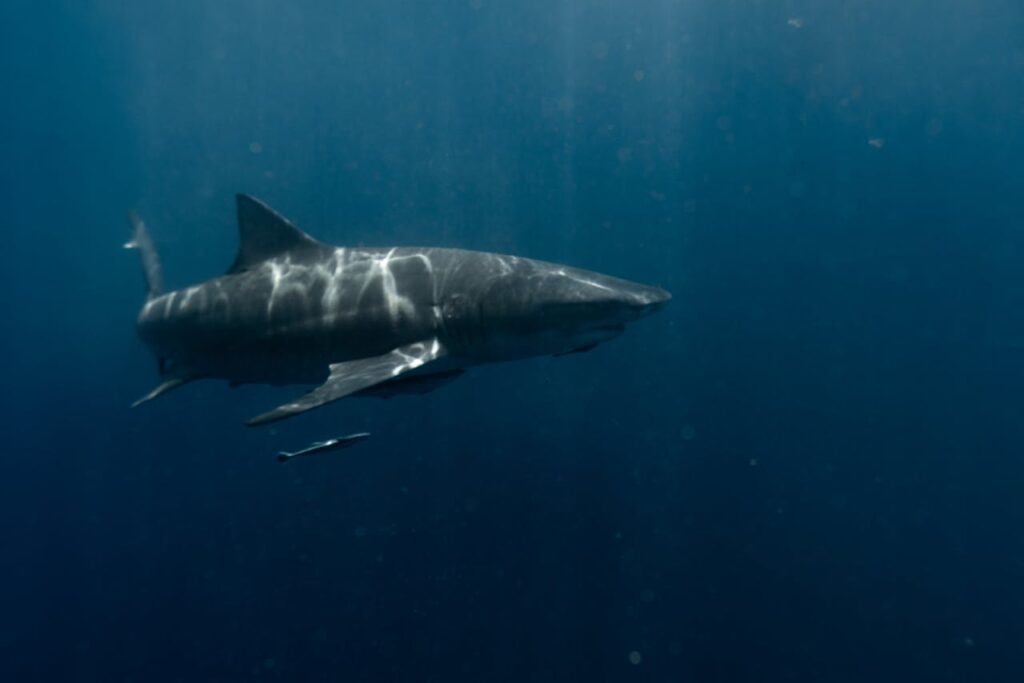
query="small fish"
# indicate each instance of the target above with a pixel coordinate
(335, 444)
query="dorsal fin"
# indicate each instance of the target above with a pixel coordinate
(263, 233)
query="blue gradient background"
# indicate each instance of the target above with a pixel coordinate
(807, 468)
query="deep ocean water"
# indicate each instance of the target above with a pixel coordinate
(807, 468)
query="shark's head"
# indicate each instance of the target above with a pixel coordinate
(538, 308)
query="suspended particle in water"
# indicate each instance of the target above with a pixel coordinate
(796, 22)
(255, 147)
(635, 657)
(877, 143)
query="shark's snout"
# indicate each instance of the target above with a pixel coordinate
(652, 298)
(640, 300)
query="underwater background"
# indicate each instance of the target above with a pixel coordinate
(809, 467)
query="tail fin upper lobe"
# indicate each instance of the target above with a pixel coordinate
(151, 268)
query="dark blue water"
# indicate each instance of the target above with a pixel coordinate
(808, 468)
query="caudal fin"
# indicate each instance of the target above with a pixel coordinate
(151, 268)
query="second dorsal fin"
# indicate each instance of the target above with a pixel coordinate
(263, 233)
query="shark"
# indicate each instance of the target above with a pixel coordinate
(366, 321)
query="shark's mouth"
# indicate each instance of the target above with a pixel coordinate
(592, 336)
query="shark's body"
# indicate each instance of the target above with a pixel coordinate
(292, 310)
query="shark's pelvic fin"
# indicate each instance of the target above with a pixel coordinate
(412, 384)
(151, 268)
(352, 376)
(580, 349)
(263, 233)
(170, 384)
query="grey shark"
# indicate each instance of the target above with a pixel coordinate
(368, 321)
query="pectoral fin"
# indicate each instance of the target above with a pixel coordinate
(352, 376)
